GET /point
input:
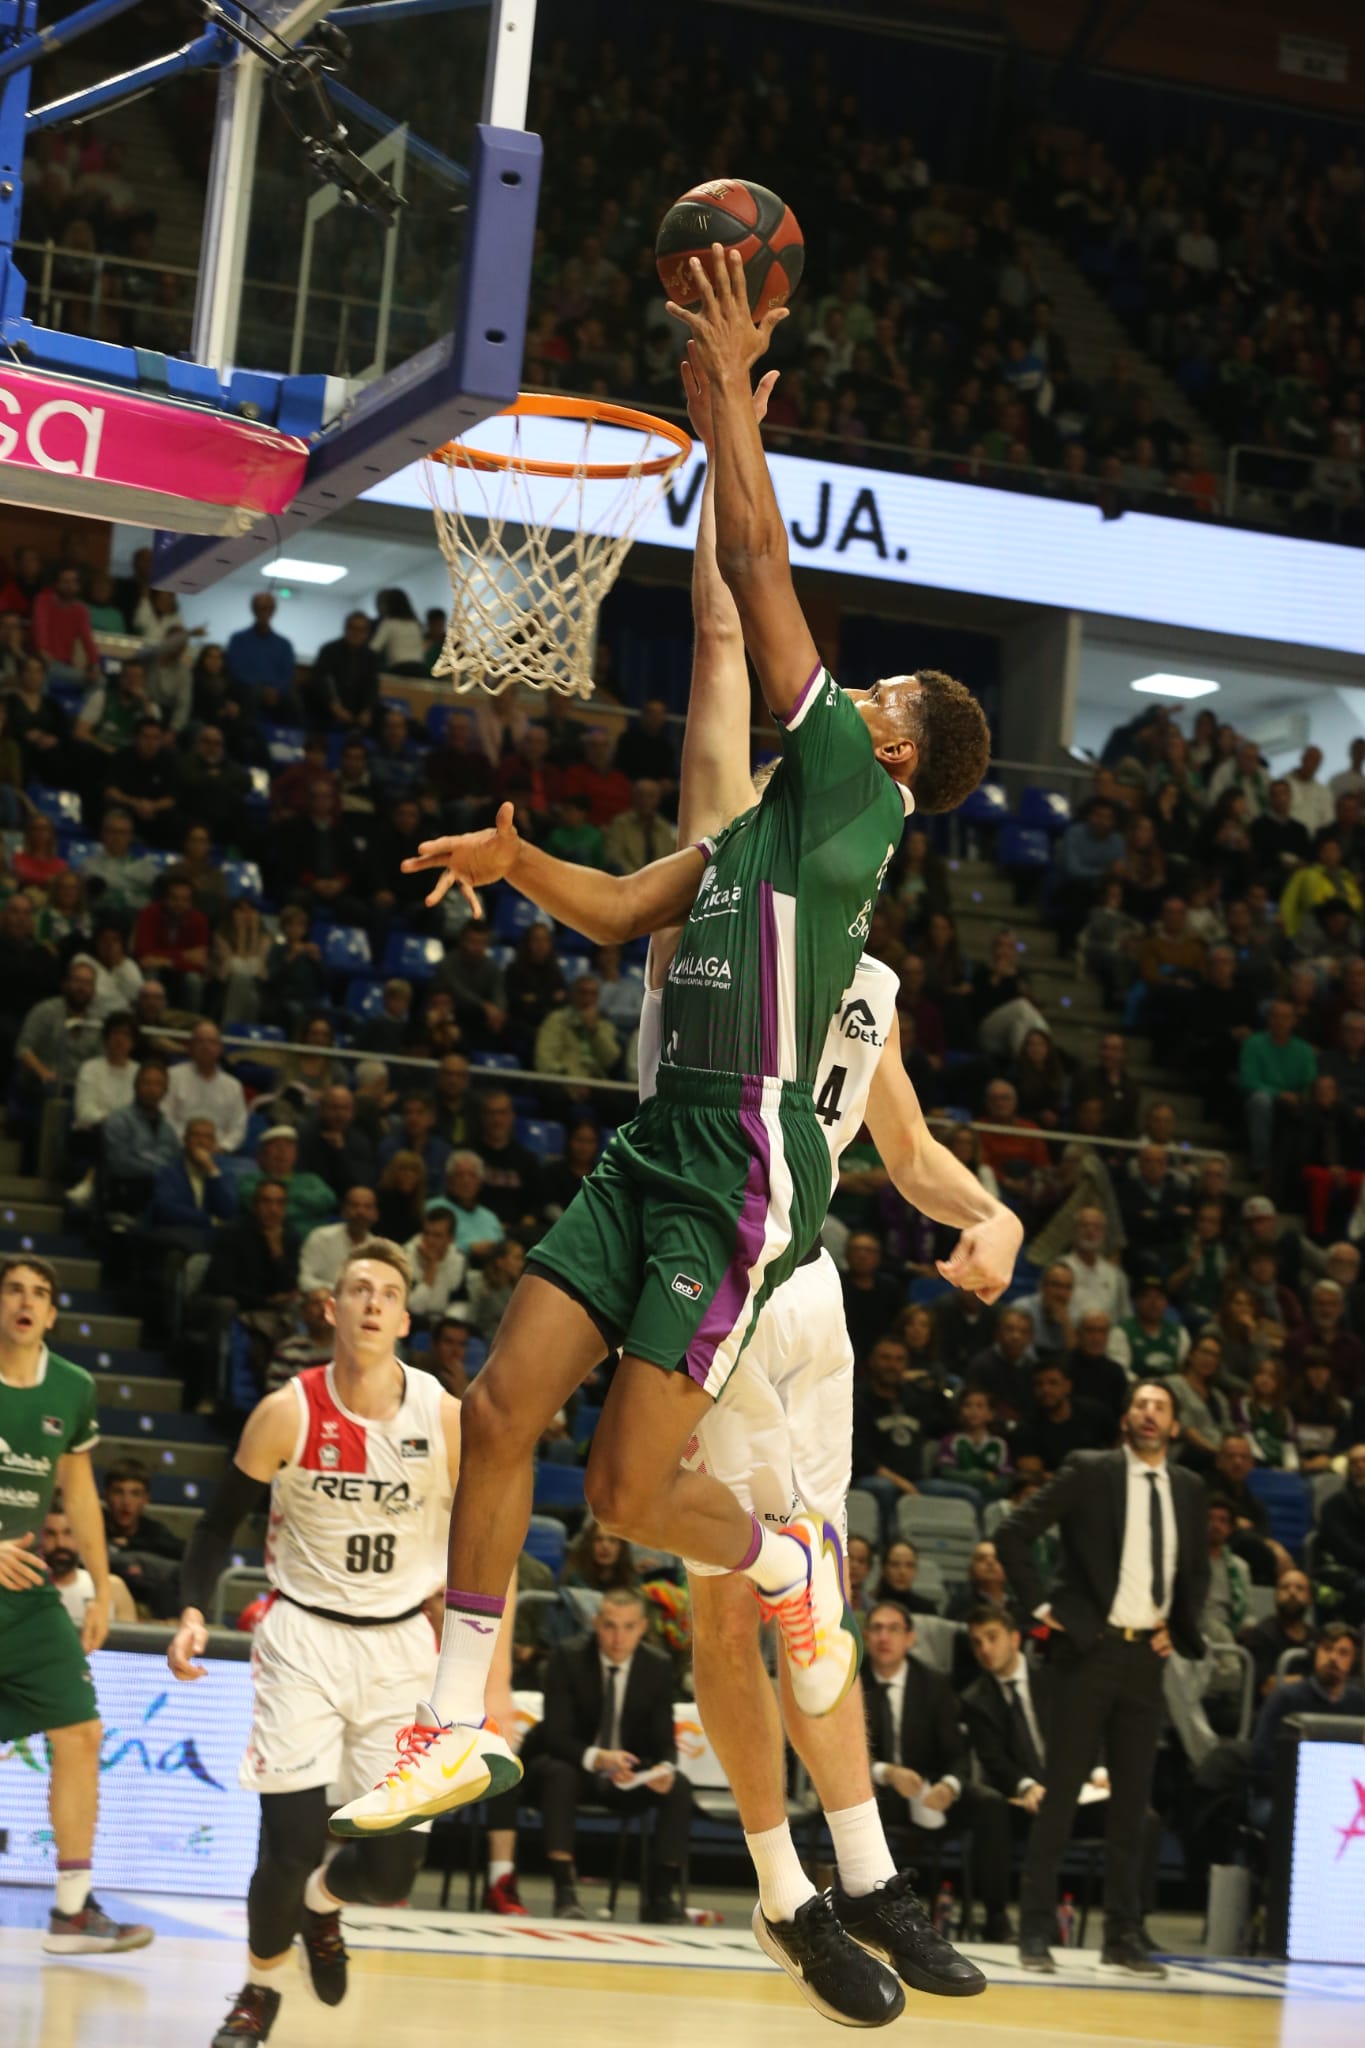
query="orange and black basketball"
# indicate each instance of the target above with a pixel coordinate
(739, 215)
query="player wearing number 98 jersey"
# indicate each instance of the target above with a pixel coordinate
(361, 1458)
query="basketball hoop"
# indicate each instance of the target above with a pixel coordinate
(534, 542)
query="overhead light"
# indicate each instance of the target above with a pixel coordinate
(1175, 686)
(310, 572)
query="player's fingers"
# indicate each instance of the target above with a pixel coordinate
(708, 285)
(475, 907)
(774, 316)
(506, 817)
(686, 314)
(443, 882)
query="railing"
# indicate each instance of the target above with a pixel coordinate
(1275, 487)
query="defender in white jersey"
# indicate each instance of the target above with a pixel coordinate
(361, 1457)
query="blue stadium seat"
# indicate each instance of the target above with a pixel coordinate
(243, 878)
(502, 956)
(575, 943)
(283, 743)
(266, 1033)
(546, 1541)
(415, 958)
(514, 916)
(503, 1062)
(925, 1288)
(1288, 1503)
(558, 1486)
(1045, 809)
(1022, 846)
(365, 997)
(63, 806)
(540, 1136)
(438, 718)
(345, 948)
(987, 805)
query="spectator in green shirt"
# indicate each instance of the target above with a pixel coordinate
(575, 837)
(309, 1201)
(1276, 1071)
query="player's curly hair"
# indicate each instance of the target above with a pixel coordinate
(954, 742)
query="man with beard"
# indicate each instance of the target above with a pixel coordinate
(1288, 1628)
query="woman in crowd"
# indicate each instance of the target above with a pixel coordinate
(36, 864)
(397, 641)
(237, 961)
(1144, 871)
(1244, 1343)
(1322, 1420)
(64, 922)
(566, 1176)
(438, 1266)
(900, 1568)
(600, 1562)
(1040, 1080)
(1264, 1415)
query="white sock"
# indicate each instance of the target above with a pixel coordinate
(266, 1975)
(497, 1870)
(73, 1888)
(783, 1886)
(467, 1640)
(316, 1896)
(779, 1562)
(860, 1848)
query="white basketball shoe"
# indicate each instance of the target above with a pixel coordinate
(820, 1637)
(439, 1765)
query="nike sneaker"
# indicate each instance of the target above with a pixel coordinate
(820, 1636)
(324, 1955)
(439, 1765)
(831, 1972)
(91, 1933)
(252, 2016)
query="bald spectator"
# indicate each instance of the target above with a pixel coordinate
(156, 1022)
(326, 1249)
(476, 983)
(115, 877)
(192, 1195)
(308, 1199)
(1014, 1160)
(640, 835)
(576, 1040)
(200, 1088)
(333, 1146)
(460, 774)
(512, 1174)
(1004, 1370)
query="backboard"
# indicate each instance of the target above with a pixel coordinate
(414, 316)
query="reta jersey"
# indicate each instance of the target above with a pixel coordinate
(782, 913)
(359, 1515)
(853, 1045)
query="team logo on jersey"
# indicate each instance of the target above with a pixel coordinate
(708, 880)
(413, 1447)
(691, 1289)
(52, 1425)
(858, 1021)
(701, 970)
(862, 923)
(329, 1455)
(24, 1461)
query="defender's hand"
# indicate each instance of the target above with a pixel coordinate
(470, 859)
(727, 340)
(19, 1567)
(697, 393)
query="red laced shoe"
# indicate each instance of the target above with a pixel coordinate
(503, 1897)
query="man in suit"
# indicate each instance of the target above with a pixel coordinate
(609, 1717)
(1130, 1586)
(922, 1763)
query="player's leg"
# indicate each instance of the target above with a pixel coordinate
(293, 1832)
(45, 1684)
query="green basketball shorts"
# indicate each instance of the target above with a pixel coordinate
(701, 1205)
(45, 1680)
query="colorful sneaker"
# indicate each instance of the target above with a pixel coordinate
(890, 1922)
(438, 1766)
(819, 1634)
(831, 1972)
(324, 1955)
(252, 2016)
(91, 1933)
(503, 1897)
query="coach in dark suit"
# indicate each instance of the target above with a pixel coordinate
(919, 1752)
(609, 1714)
(1130, 1586)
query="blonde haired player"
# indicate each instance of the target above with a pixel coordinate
(780, 1437)
(361, 1457)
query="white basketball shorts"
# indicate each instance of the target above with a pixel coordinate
(329, 1700)
(781, 1434)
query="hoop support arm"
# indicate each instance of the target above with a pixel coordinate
(44, 41)
(207, 52)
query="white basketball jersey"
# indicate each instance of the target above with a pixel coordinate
(359, 1515)
(853, 1045)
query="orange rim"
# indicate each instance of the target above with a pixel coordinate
(554, 405)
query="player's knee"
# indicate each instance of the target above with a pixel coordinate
(615, 1498)
(493, 1424)
(79, 1743)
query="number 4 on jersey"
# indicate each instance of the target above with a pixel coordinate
(828, 1103)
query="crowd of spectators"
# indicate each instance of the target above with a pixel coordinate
(88, 246)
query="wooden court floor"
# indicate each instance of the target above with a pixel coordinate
(424, 1980)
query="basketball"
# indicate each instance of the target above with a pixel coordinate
(740, 215)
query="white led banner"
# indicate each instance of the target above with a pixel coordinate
(1004, 544)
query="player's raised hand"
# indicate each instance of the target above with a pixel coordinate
(189, 1641)
(19, 1567)
(469, 860)
(982, 1260)
(727, 339)
(697, 393)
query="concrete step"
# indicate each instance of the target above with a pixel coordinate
(11, 1155)
(24, 1187)
(117, 1333)
(186, 1461)
(81, 1276)
(146, 1396)
(33, 1219)
(181, 1520)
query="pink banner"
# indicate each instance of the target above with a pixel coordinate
(99, 452)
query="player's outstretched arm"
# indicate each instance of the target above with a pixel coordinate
(265, 1445)
(751, 540)
(927, 1174)
(606, 908)
(715, 785)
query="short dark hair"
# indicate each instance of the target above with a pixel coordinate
(127, 1472)
(1220, 1500)
(382, 1251)
(982, 1616)
(954, 743)
(1336, 1632)
(42, 1267)
(118, 1020)
(892, 1607)
(1151, 1380)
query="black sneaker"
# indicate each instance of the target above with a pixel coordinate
(91, 1932)
(831, 1972)
(568, 1907)
(1035, 1955)
(325, 1955)
(890, 1922)
(1128, 1953)
(663, 1910)
(252, 2016)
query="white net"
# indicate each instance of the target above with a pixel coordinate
(531, 556)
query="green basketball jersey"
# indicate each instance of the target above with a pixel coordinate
(782, 913)
(38, 1425)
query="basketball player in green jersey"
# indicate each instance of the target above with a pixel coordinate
(715, 1191)
(48, 1428)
